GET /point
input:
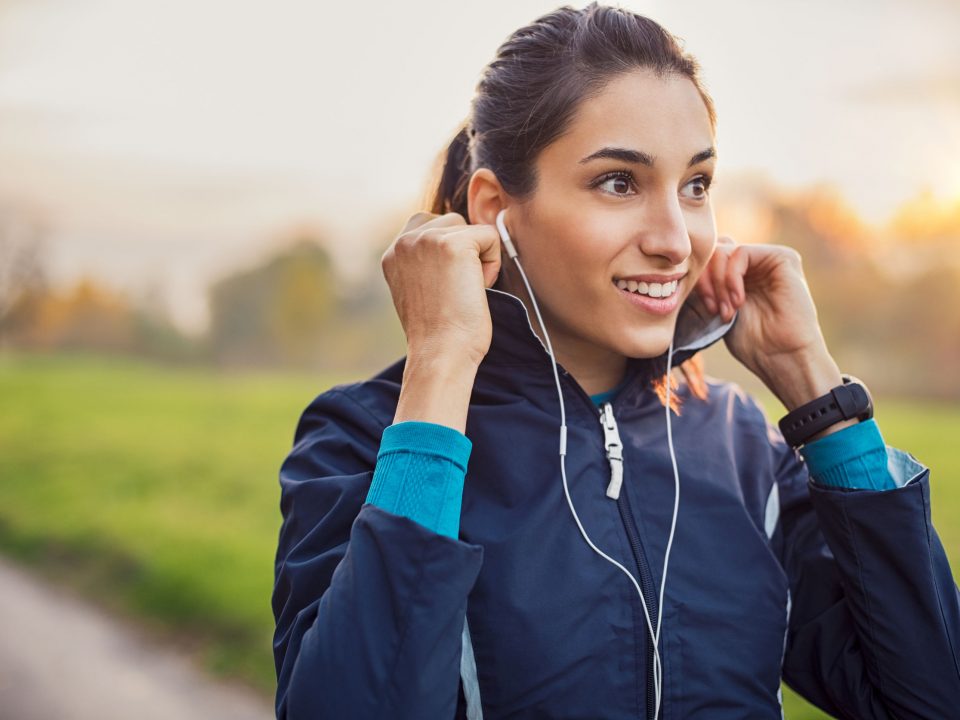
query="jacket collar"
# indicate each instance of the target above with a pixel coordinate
(515, 343)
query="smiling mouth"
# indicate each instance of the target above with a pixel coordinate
(649, 289)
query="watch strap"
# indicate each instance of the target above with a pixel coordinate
(844, 402)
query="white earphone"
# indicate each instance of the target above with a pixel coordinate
(654, 633)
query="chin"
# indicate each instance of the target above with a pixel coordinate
(649, 346)
(647, 350)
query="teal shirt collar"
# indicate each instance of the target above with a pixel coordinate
(600, 398)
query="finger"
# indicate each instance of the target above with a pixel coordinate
(718, 271)
(730, 284)
(737, 267)
(488, 247)
(486, 241)
(706, 283)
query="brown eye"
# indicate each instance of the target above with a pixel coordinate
(618, 183)
(701, 182)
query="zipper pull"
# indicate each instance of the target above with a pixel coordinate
(611, 437)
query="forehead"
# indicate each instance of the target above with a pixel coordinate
(664, 116)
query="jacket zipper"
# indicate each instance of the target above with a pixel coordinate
(614, 448)
(614, 452)
(611, 441)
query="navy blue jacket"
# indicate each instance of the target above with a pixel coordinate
(845, 594)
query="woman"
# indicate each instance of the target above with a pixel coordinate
(450, 550)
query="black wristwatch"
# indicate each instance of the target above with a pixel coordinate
(844, 402)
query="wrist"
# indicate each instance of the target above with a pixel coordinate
(436, 387)
(446, 363)
(456, 353)
(840, 425)
(800, 378)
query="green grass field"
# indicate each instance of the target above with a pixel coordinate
(155, 491)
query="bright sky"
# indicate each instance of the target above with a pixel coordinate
(170, 142)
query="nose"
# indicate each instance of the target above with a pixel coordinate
(665, 232)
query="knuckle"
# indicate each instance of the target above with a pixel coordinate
(403, 242)
(430, 236)
(447, 247)
(432, 239)
(455, 217)
(438, 239)
(419, 218)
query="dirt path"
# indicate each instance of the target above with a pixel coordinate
(63, 660)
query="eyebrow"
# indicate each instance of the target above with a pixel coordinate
(641, 158)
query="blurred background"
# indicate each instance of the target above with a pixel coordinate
(194, 198)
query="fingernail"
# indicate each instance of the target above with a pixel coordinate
(724, 308)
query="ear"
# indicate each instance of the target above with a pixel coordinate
(485, 197)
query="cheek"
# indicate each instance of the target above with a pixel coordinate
(703, 239)
(574, 236)
(570, 242)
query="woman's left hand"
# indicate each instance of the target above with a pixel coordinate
(777, 328)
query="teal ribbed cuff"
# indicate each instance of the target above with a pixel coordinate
(420, 473)
(853, 457)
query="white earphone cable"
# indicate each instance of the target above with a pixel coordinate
(654, 633)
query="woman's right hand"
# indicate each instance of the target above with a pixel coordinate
(438, 268)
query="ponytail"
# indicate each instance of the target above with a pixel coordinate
(451, 191)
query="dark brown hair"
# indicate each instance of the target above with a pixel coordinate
(528, 95)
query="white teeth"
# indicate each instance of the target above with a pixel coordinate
(651, 289)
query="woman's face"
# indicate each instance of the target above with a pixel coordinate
(622, 193)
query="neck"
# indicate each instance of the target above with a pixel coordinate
(596, 369)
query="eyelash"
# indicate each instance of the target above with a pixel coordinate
(706, 181)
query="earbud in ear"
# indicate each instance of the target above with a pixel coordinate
(504, 235)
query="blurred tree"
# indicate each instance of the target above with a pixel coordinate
(278, 313)
(22, 268)
(84, 317)
(156, 335)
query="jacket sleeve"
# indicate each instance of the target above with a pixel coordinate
(369, 605)
(874, 612)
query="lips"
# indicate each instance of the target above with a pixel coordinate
(653, 305)
(651, 277)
